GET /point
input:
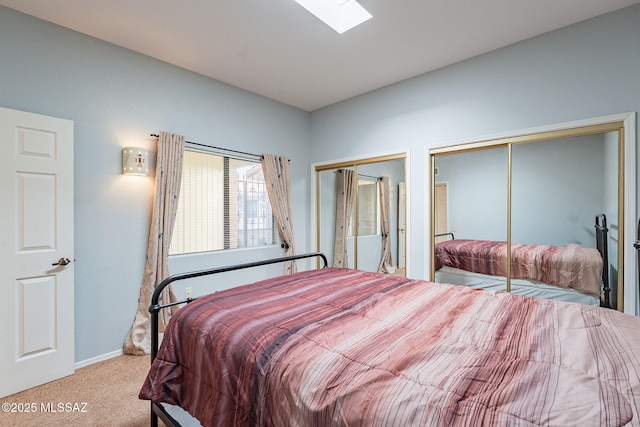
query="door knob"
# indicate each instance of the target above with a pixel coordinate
(62, 261)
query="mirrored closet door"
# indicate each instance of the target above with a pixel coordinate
(360, 207)
(538, 215)
(470, 203)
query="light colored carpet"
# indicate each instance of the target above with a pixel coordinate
(106, 393)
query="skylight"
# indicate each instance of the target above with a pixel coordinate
(341, 15)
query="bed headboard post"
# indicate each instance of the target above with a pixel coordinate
(602, 246)
(154, 310)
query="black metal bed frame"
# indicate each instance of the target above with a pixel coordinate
(446, 234)
(157, 409)
(602, 244)
(636, 245)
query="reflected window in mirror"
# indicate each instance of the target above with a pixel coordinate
(368, 219)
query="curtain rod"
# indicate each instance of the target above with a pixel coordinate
(217, 148)
(361, 175)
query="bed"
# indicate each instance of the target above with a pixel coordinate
(342, 347)
(571, 273)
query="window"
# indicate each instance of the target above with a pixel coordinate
(223, 205)
(368, 208)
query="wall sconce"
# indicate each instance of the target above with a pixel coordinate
(135, 161)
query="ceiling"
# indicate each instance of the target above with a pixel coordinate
(277, 49)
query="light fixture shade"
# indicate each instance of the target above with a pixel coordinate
(135, 161)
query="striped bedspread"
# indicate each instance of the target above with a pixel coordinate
(570, 266)
(339, 347)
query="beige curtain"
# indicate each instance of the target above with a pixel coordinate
(344, 211)
(168, 178)
(276, 176)
(386, 261)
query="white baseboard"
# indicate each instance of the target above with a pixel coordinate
(97, 359)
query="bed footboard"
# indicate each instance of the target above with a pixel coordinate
(157, 410)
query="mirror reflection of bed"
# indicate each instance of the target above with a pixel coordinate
(542, 200)
(569, 273)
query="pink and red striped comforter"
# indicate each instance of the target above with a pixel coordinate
(570, 266)
(339, 347)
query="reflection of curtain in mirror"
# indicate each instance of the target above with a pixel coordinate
(344, 211)
(386, 262)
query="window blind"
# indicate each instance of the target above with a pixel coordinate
(223, 204)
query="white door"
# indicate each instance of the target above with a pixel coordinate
(36, 231)
(441, 208)
(402, 224)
